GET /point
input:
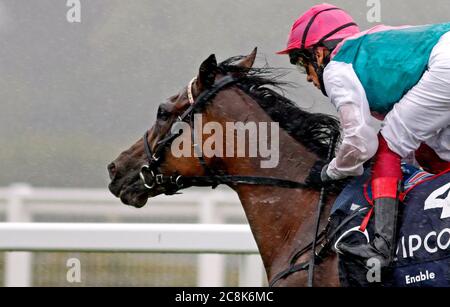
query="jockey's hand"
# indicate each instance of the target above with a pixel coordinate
(318, 177)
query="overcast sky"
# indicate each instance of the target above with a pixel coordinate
(73, 95)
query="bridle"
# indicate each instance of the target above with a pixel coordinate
(154, 158)
(152, 177)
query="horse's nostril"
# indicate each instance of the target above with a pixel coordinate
(112, 170)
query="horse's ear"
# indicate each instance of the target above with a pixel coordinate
(207, 73)
(249, 60)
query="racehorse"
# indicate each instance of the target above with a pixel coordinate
(280, 208)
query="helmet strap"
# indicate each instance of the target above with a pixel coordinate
(320, 69)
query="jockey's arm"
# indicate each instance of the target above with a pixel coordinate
(359, 142)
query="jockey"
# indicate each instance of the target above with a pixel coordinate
(400, 75)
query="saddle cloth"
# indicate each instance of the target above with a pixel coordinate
(423, 250)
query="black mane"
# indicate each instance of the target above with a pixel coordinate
(313, 130)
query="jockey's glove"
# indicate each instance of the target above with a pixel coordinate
(318, 177)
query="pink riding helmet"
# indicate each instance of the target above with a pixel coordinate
(321, 23)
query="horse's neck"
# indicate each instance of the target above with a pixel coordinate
(281, 219)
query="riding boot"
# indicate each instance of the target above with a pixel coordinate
(386, 178)
(382, 247)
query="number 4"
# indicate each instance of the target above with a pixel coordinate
(440, 198)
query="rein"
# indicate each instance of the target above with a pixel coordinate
(152, 177)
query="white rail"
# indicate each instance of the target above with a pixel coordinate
(167, 238)
(21, 204)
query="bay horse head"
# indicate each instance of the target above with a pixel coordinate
(278, 205)
(138, 173)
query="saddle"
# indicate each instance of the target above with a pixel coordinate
(423, 242)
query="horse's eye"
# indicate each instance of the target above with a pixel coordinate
(163, 114)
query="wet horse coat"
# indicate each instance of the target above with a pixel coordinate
(282, 220)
